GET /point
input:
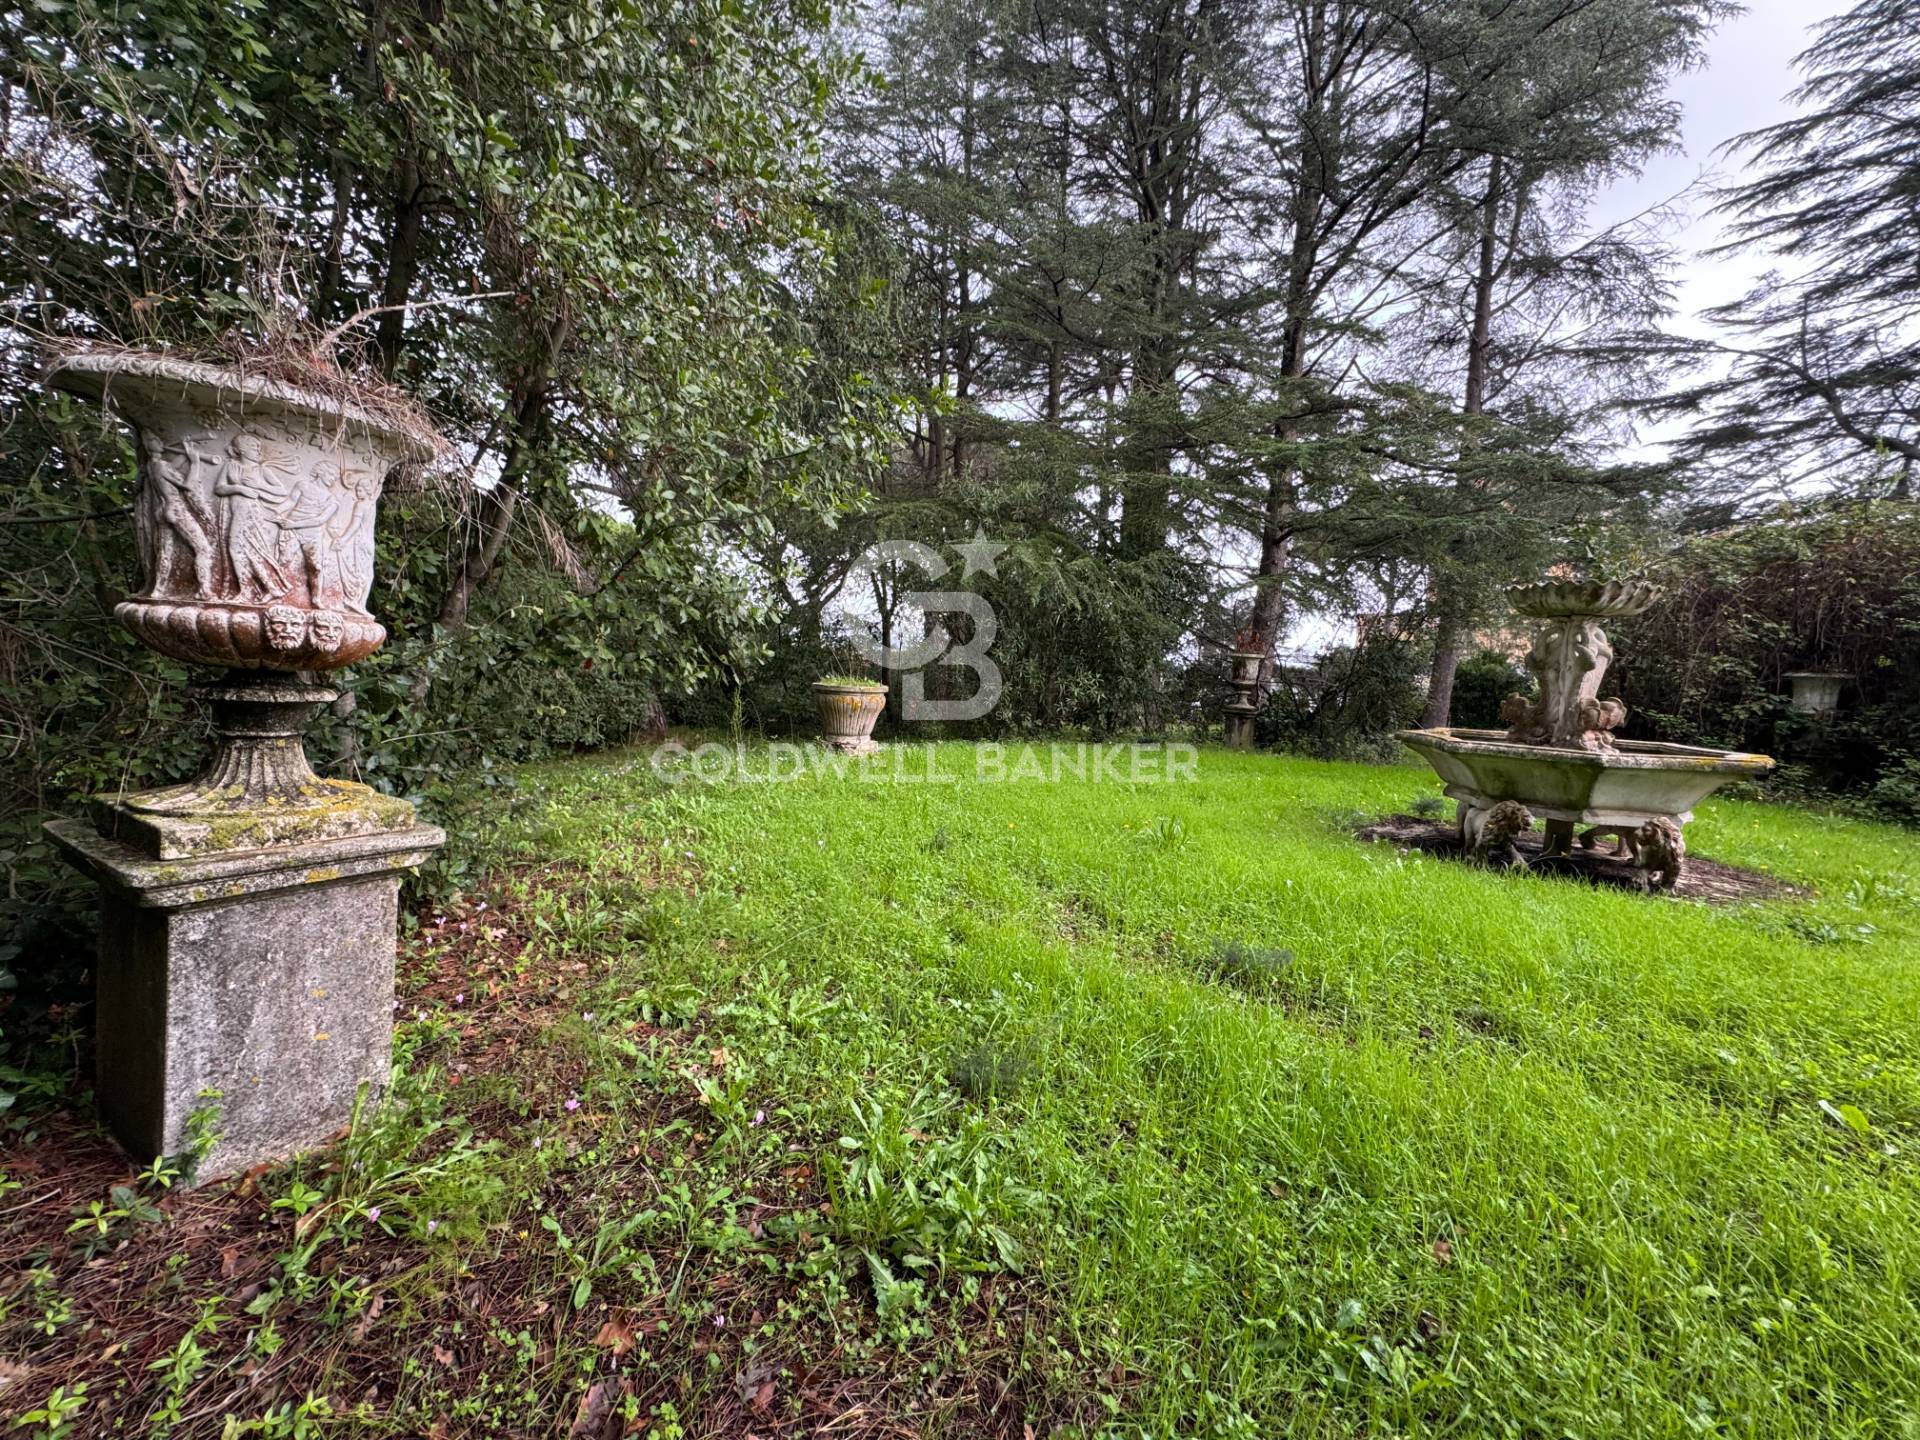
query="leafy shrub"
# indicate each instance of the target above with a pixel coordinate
(1347, 704)
(1480, 684)
(1833, 586)
(1897, 792)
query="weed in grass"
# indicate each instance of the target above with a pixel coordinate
(991, 1069)
(925, 1187)
(1261, 969)
(1164, 832)
(57, 1416)
(1870, 888)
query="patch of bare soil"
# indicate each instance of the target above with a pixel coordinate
(1710, 881)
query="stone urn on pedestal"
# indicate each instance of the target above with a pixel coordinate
(1247, 656)
(248, 916)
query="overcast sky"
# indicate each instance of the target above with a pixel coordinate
(1743, 86)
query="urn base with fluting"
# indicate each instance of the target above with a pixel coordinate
(258, 790)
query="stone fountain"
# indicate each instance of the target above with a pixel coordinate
(247, 917)
(1560, 759)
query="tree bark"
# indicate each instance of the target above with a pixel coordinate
(495, 520)
(340, 182)
(526, 425)
(1450, 633)
(403, 263)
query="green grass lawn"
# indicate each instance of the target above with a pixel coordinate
(1157, 1108)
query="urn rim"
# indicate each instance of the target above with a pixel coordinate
(97, 373)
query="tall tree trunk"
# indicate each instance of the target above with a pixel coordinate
(497, 505)
(340, 183)
(1450, 630)
(403, 263)
(1146, 493)
(1282, 509)
(963, 347)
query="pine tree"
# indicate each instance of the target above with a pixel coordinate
(1821, 370)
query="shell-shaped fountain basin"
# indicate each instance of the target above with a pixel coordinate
(1634, 782)
(1601, 599)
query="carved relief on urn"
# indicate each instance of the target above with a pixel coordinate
(255, 513)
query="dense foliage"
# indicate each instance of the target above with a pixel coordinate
(1832, 588)
(621, 308)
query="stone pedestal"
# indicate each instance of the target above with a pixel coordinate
(1240, 715)
(266, 975)
(246, 938)
(1817, 692)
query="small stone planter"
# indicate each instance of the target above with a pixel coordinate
(848, 712)
(247, 916)
(1817, 692)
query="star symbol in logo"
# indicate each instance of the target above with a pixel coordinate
(979, 554)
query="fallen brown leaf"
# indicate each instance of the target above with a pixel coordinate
(367, 1317)
(599, 1417)
(616, 1335)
